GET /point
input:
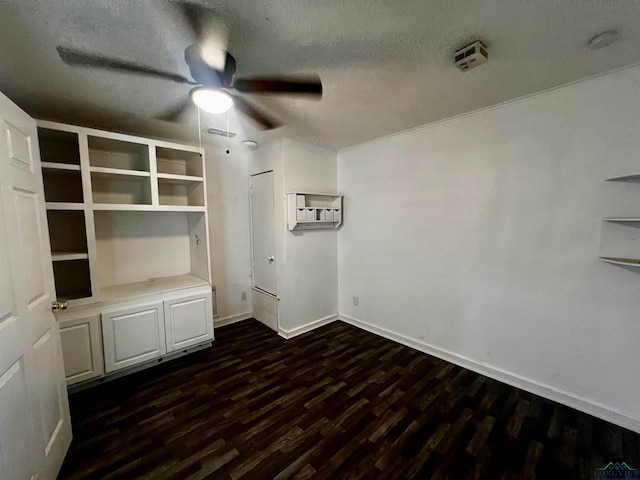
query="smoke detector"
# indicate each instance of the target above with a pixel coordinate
(471, 56)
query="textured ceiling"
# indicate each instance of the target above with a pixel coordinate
(386, 66)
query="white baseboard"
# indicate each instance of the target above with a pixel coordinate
(294, 332)
(221, 322)
(579, 403)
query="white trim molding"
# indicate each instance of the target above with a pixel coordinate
(221, 322)
(579, 403)
(294, 332)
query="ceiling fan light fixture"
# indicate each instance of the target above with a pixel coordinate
(211, 100)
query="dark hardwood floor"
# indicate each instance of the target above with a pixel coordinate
(334, 403)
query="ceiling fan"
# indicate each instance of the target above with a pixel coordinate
(212, 71)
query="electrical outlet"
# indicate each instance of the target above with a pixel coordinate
(243, 296)
(355, 301)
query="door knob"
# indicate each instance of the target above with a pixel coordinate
(271, 259)
(59, 305)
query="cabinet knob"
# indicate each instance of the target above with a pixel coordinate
(271, 259)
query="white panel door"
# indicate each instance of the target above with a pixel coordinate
(132, 336)
(188, 320)
(35, 429)
(263, 232)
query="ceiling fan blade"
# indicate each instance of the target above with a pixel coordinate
(192, 13)
(210, 33)
(202, 72)
(266, 121)
(77, 58)
(177, 112)
(310, 85)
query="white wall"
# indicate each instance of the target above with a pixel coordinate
(477, 239)
(311, 279)
(129, 245)
(306, 262)
(228, 205)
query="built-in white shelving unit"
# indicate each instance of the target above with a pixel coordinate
(128, 225)
(86, 171)
(310, 211)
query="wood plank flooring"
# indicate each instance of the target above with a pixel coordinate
(338, 402)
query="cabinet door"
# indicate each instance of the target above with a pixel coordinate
(189, 321)
(81, 348)
(133, 335)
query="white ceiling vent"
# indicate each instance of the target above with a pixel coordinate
(222, 133)
(471, 56)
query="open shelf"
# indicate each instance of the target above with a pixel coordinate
(114, 207)
(64, 206)
(120, 188)
(177, 179)
(117, 154)
(178, 162)
(629, 262)
(67, 232)
(618, 234)
(58, 147)
(62, 185)
(117, 173)
(189, 194)
(314, 210)
(72, 279)
(65, 256)
(59, 166)
(133, 246)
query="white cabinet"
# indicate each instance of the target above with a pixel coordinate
(133, 335)
(81, 348)
(188, 321)
(143, 332)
